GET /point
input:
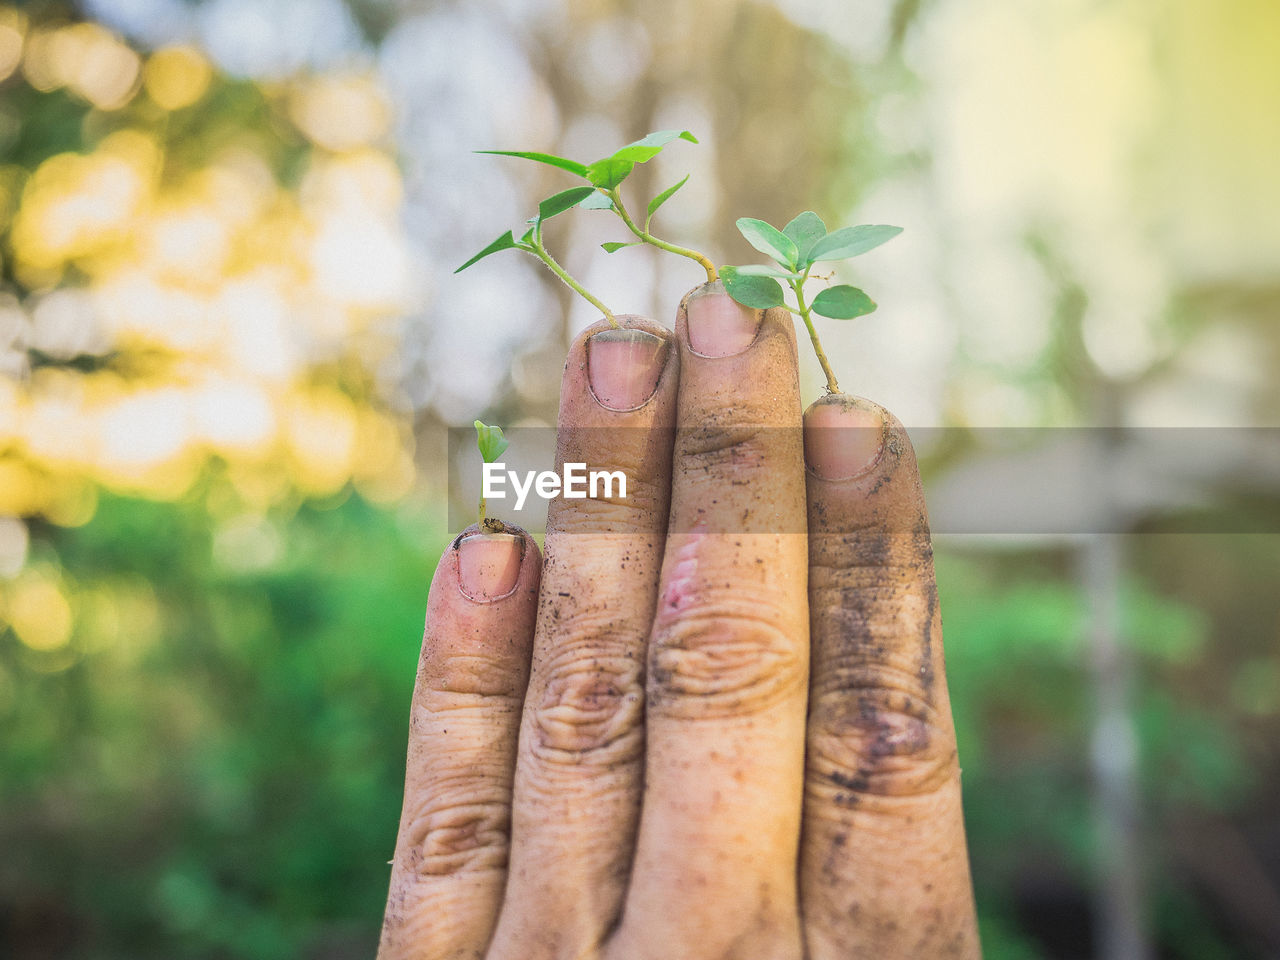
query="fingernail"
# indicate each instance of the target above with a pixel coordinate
(719, 326)
(624, 366)
(489, 565)
(842, 440)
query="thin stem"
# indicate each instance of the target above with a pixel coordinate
(539, 251)
(482, 507)
(647, 237)
(798, 287)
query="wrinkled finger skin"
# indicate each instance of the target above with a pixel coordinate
(884, 868)
(714, 872)
(579, 777)
(450, 861)
(728, 739)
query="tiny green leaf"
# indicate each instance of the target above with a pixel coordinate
(504, 242)
(597, 201)
(759, 292)
(490, 441)
(609, 172)
(770, 241)
(662, 198)
(843, 303)
(649, 147)
(573, 166)
(565, 200)
(805, 230)
(852, 241)
(613, 247)
(764, 270)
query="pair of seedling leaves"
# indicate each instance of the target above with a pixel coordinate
(604, 177)
(795, 249)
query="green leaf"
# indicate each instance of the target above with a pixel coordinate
(770, 241)
(573, 166)
(649, 147)
(490, 441)
(662, 198)
(597, 201)
(852, 241)
(504, 242)
(805, 230)
(609, 172)
(764, 270)
(562, 201)
(759, 292)
(528, 236)
(843, 303)
(614, 247)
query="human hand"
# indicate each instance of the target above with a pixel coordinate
(714, 722)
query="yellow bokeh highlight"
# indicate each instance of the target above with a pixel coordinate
(176, 77)
(74, 205)
(320, 431)
(23, 490)
(215, 287)
(340, 112)
(88, 59)
(13, 28)
(38, 611)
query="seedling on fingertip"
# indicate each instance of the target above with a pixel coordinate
(796, 249)
(492, 445)
(604, 179)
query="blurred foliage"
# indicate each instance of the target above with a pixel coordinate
(212, 764)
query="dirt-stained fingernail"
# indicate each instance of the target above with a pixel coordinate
(719, 326)
(489, 565)
(843, 438)
(624, 366)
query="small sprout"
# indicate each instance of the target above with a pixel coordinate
(492, 445)
(531, 241)
(660, 199)
(796, 248)
(604, 177)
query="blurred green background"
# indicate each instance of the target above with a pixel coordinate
(231, 346)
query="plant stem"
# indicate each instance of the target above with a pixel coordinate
(798, 287)
(482, 505)
(539, 251)
(647, 237)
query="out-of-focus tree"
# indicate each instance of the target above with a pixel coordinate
(196, 268)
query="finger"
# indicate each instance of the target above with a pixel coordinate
(715, 861)
(578, 778)
(451, 852)
(883, 867)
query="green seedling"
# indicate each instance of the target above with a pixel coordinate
(796, 249)
(492, 445)
(601, 192)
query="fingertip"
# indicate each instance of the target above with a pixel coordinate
(712, 325)
(853, 440)
(844, 436)
(490, 562)
(861, 468)
(613, 371)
